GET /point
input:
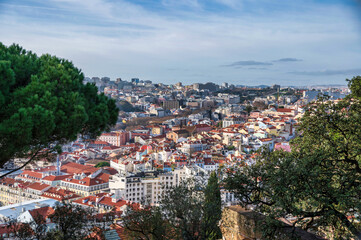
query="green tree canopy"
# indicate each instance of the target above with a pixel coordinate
(126, 106)
(212, 209)
(44, 103)
(318, 182)
(102, 164)
(248, 109)
(147, 223)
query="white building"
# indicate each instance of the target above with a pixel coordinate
(228, 121)
(147, 187)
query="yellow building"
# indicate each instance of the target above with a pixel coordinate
(14, 191)
(272, 130)
(157, 130)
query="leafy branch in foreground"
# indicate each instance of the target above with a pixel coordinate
(44, 104)
(316, 185)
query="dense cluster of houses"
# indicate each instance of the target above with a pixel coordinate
(142, 163)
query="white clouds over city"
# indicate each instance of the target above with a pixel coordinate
(193, 38)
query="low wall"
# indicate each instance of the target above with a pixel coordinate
(240, 224)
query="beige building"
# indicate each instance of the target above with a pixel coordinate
(116, 138)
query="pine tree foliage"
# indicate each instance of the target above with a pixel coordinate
(44, 103)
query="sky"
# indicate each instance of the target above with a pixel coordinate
(242, 42)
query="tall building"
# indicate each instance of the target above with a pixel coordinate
(171, 104)
(149, 186)
(105, 79)
(135, 80)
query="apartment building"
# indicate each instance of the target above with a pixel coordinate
(147, 187)
(228, 121)
(14, 191)
(142, 187)
(116, 138)
(86, 185)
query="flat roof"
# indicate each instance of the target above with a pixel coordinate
(14, 210)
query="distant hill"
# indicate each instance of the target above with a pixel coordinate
(258, 86)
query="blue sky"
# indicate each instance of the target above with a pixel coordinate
(251, 42)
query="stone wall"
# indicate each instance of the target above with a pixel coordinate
(240, 224)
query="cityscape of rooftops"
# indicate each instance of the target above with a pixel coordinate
(180, 119)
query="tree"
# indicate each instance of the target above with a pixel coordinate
(44, 104)
(182, 207)
(71, 221)
(126, 106)
(68, 221)
(147, 223)
(102, 164)
(260, 105)
(187, 211)
(19, 230)
(248, 109)
(212, 208)
(231, 147)
(318, 182)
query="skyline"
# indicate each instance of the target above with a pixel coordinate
(239, 42)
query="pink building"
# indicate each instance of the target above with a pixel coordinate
(117, 138)
(285, 146)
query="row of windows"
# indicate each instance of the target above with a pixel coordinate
(84, 188)
(132, 189)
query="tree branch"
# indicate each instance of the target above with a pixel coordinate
(26, 163)
(347, 223)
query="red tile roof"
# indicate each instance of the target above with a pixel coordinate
(104, 177)
(38, 186)
(73, 168)
(56, 178)
(110, 147)
(87, 181)
(285, 110)
(265, 139)
(102, 199)
(98, 142)
(31, 174)
(43, 212)
(59, 194)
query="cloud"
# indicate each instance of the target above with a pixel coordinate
(185, 3)
(247, 63)
(328, 72)
(258, 68)
(230, 3)
(288, 60)
(143, 38)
